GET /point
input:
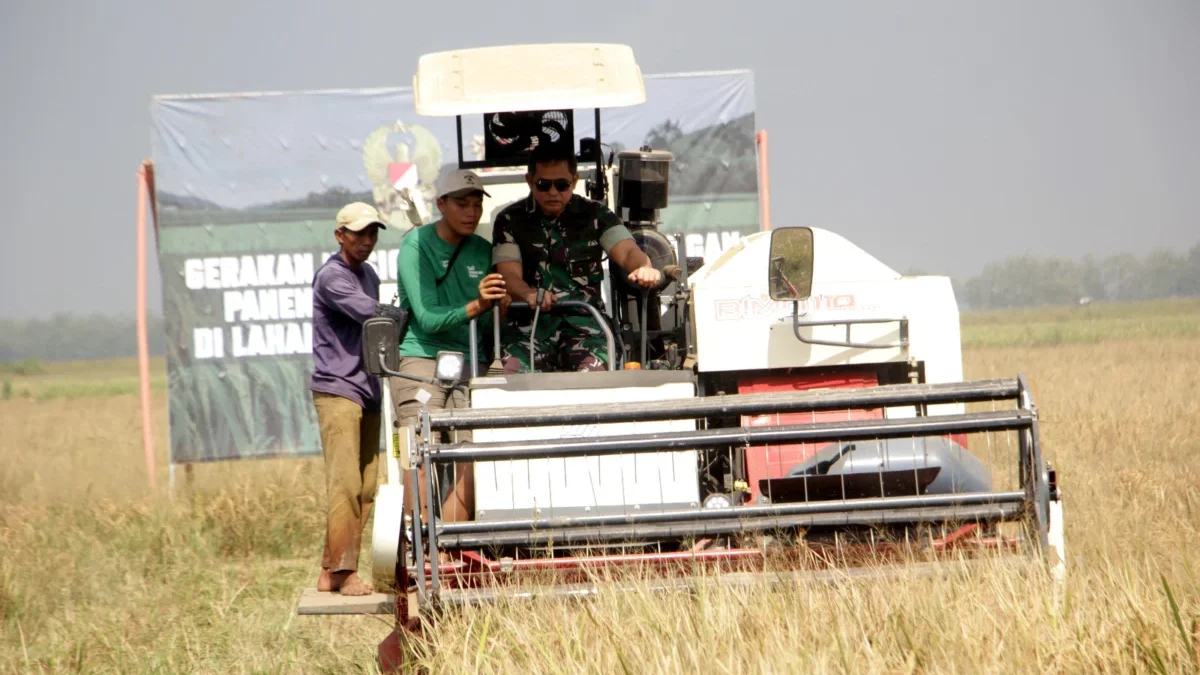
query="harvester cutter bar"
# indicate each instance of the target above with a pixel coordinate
(892, 395)
(711, 438)
(473, 596)
(710, 528)
(738, 512)
(473, 568)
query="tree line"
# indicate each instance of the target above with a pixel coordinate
(1028, 281)
(1024, 281)
(74, 337)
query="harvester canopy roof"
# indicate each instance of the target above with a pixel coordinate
(527, 77)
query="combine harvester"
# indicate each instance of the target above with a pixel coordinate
(794, 405)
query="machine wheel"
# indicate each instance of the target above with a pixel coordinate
(385, 535)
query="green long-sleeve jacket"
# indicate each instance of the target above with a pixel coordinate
(439, 313)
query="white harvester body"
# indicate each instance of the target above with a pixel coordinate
(739, 328)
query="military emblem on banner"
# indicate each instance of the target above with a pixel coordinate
(403, 181)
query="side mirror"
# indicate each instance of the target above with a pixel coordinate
(381, 345)
(790, 273)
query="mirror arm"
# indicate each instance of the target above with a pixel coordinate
(797, 324)
(388, 372)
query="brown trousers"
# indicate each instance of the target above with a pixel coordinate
(350, 442)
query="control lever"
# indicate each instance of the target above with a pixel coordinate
(537, 310)
(645, 303)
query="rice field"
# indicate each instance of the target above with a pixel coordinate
(100, 574)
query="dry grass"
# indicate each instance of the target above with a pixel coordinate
(99, 575)
(36, 380)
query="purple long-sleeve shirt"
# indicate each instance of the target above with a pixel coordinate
(342, 300)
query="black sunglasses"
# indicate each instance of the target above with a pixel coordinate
(560, 184)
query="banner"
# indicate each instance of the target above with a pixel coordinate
(248, 186)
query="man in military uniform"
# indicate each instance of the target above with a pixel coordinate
(554, 241)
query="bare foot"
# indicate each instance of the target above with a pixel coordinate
(325, 581)
(345, 582)
(352, 585)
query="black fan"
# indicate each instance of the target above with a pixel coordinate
(513, 135)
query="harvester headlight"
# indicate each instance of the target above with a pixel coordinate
(449, 366)
(718, 500)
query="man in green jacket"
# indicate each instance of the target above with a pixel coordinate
(444, 283)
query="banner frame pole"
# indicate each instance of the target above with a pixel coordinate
(142, 341)
(764, 181)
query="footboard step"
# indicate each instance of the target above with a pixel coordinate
(313, 601)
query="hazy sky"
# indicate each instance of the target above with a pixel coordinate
(938, 135)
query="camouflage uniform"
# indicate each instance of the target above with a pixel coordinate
(562, 255)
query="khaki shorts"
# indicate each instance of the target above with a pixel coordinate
(407, 405)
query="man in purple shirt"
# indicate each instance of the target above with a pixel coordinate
(347, 398)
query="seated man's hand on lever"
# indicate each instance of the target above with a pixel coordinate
(491, 292)
(548, 299)
(633, 260)
(646, 277)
